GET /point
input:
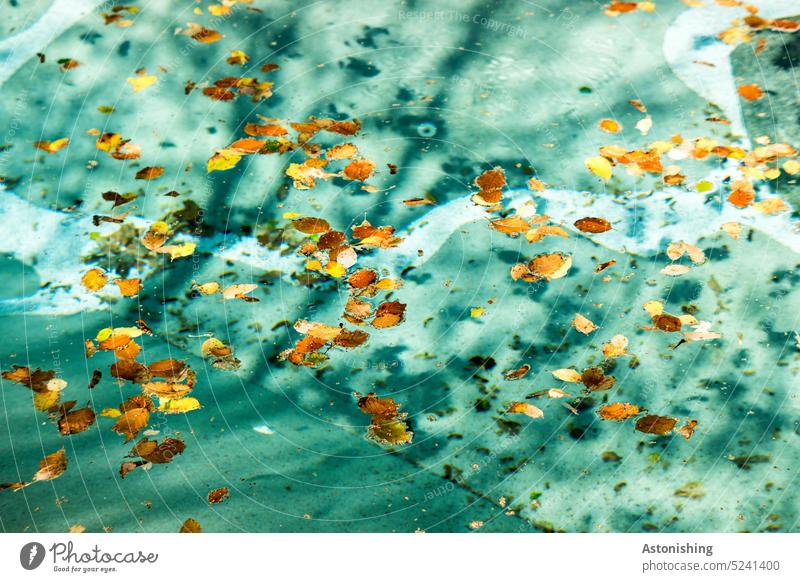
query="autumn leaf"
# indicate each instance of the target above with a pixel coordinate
(750, 92)
(609, 125)
(550, 265)
(240, 291)
(52, 466)
(618, 411)
(238, 58)
(309, 225)
(218, 495)
(593, 225)
(141, 82)
(599, 166)
(94, 280)
(389, 314)
(75, 421)
(526, 409)
(150, 173)
(222, 160)
(359, 169)
(616, 347)
(490, 183)
(135, 414)
(201, 33)
(517, 374)
(583, 325)
(129, 287)
(52, 147)
(567, 375)
(191, 526)
(652, 424)
(387, 425)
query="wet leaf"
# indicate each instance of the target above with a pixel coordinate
(526, 409)
(129, 287)
(52, 147)
(52, 466)
(191, 526)
(583, 325)
(94, 280)
(618, 346)
(389, 314)
(618, 411)
(750, 92)
(218, 495)
(240, 291)
(150, 173)
(517, 374)
(599, 166)
(359, 169)
(309, 225)
(593, 225)
(652, 424)
(550, 265)
(75, 421)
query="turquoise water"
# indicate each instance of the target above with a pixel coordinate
(444, 93)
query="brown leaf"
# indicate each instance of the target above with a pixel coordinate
(517, 374)
(389, 314)
(309, 225)
(131, 422)
(218, 495)
(595, 380)
(52, 466)
(76, 421)
(652, 424)
(191, 526)
(593, 225)
(150, 173)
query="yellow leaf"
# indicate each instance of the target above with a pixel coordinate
(94, 280)
(477, 312)
(178, 251)
(599, 166)
(52, 147)
(335, 269)
(178, 405)
(141, 82)
(222, 161)
(111, 412)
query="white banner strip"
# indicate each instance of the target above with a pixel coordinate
(390, 557)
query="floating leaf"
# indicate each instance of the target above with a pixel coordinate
(94, 280)
(599, 166)
(191, 526)
(583, 325)
(218, 495)
(618, 411)
(150, 173)
(526, 409)
(52, 147)
(652, 424)
(593, 225)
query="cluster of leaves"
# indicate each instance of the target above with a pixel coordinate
(387, 424)
(329, 251)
